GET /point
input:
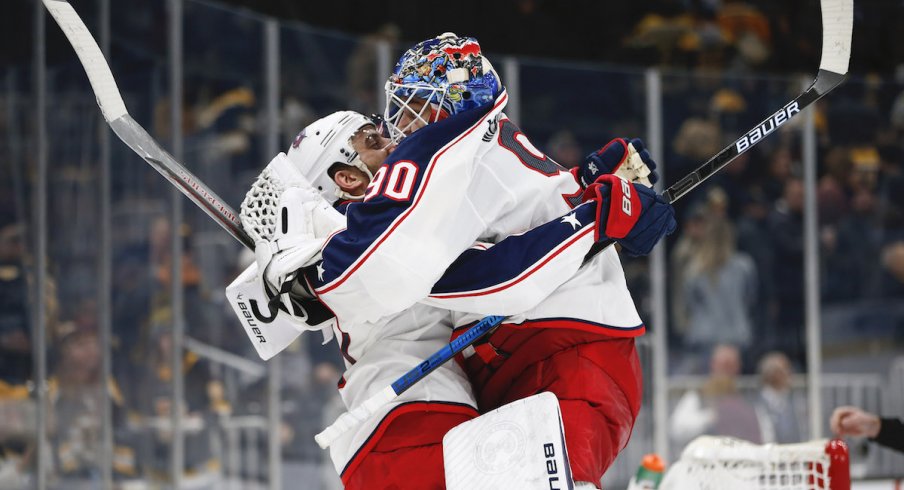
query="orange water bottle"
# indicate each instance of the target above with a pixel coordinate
(649, 473)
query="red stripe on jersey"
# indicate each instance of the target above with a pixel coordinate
(420, 192)
(570, 324)
(524, 275)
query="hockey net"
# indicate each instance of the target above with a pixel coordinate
(723, 462)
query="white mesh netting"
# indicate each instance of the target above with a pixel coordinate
(723, 462)
(261, 205)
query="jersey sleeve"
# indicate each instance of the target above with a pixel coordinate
(517, 273)
(415, 220)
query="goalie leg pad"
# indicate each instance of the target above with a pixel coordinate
(519, 445)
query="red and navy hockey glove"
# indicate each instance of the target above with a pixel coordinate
(611, 158)
(631, 214)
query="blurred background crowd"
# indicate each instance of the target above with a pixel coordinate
(734, 273)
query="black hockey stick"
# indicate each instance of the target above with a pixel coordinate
(837, 25)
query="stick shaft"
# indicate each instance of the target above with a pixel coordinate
(130, 132)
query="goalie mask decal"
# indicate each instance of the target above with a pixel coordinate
(448, 74)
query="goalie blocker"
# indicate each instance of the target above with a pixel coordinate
(271, 333)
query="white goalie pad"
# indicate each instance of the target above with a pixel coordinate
(519, 445)
(249, 301)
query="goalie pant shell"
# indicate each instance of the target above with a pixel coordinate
(597, 379)
(406, 450)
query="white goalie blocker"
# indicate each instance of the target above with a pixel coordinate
(288, 221)
(519, 445)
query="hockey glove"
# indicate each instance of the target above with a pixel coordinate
(625, 158)
(631, 214)
(273, 319)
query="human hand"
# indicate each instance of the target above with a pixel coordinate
(633, 215)
(625, 158)
(852, 421)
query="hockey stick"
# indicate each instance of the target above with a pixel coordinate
(130, 132)
(837, 27)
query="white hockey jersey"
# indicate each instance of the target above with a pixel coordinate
(470, 178)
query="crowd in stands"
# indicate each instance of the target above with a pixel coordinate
(736, 287)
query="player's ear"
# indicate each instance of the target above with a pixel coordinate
(350, 180)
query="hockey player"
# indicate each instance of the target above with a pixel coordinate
(338, 155)
(578, 343)
(401, 446)
(471, 175)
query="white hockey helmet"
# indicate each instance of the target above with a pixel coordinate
(325, 142)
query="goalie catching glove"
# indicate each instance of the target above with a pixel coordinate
(287, 219)
(633, 215)
(289, 222)
(622, 157)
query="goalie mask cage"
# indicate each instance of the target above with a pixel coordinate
(715, 463)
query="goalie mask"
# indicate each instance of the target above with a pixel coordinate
(447, 72)
(324, 143)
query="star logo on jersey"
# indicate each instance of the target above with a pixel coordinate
(320, 271)
(572, 220)
(593, 168)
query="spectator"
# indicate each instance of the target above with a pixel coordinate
(692, 233)
(780, 169)
(779, 411)
(362, 72)
(696, 141)
(747, 30)
(892, 278)
(719, 288)
(832, 196)
(15, 340)
(754, 240)
(854, 422)
(786, 227)
(849, 250)
(563, 147)
(155, 402)
(76, 394)
(717, 408)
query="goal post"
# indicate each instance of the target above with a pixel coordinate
(710, 463)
